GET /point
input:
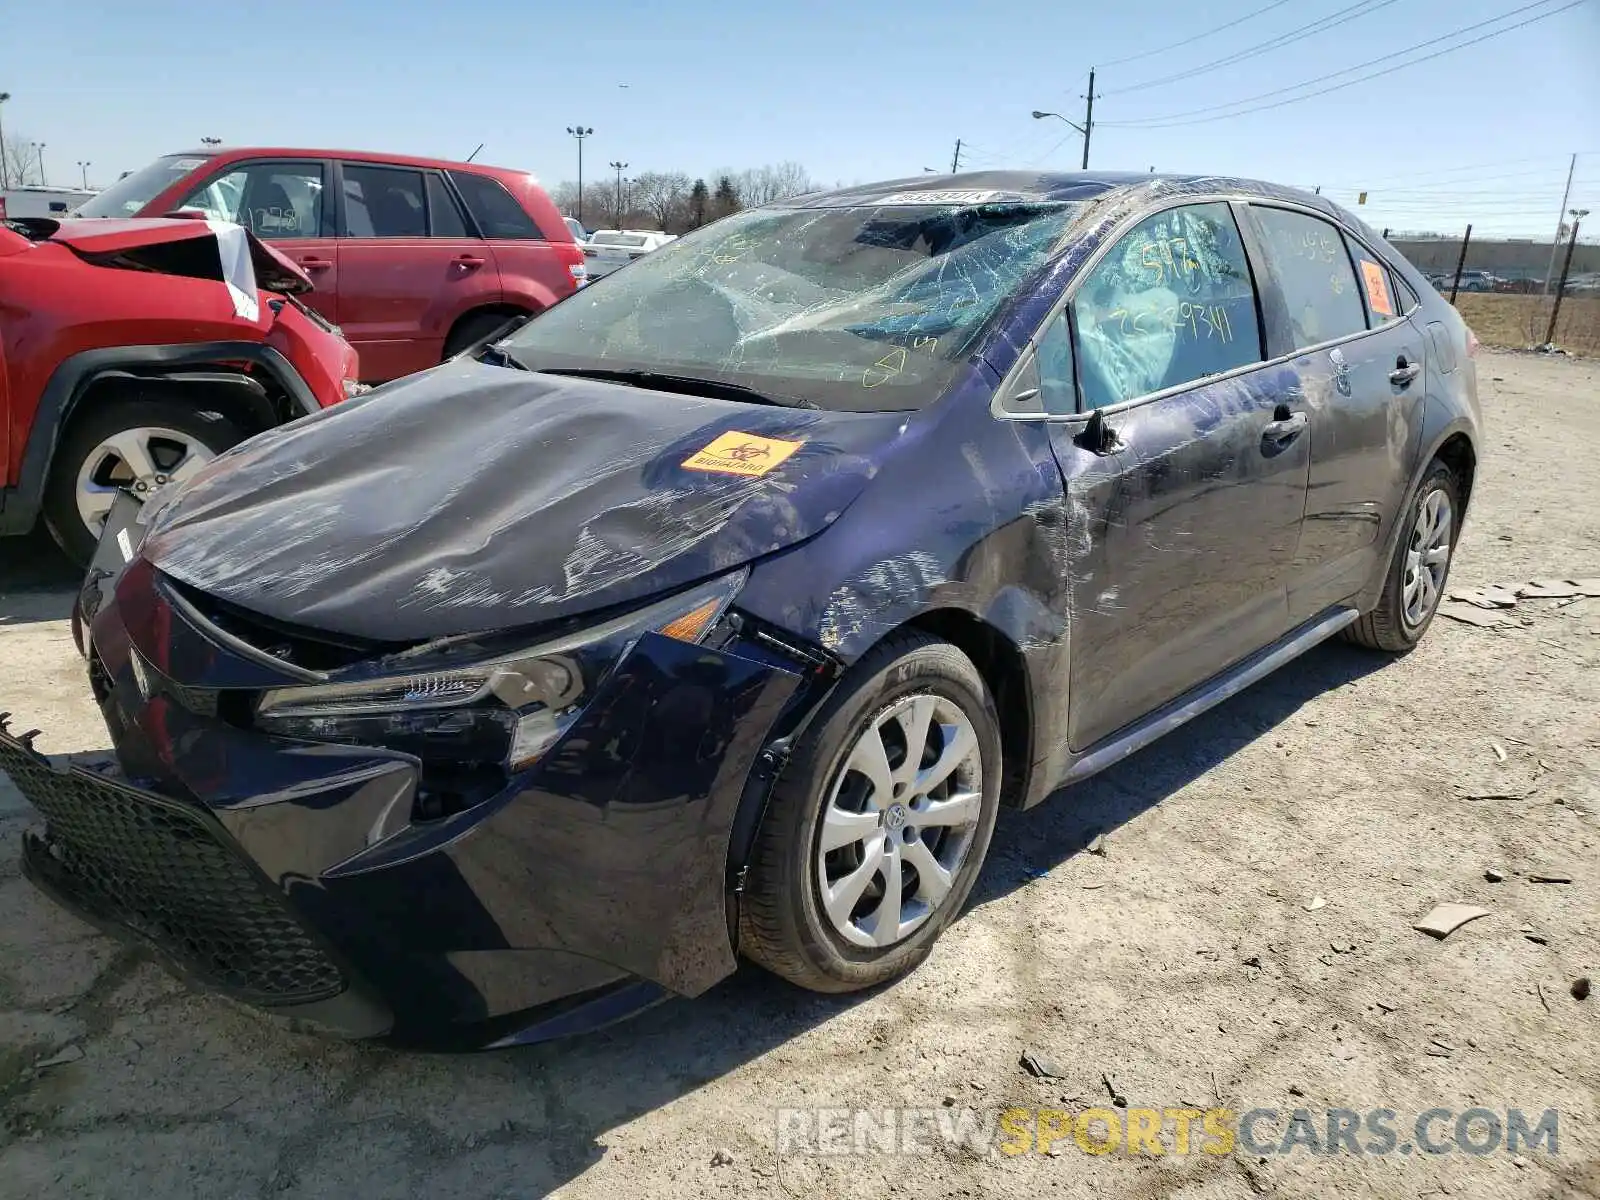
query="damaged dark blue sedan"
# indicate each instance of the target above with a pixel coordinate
(717, 610)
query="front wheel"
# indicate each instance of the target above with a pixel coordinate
(138, 446)
(1416, 578)
(880, 823)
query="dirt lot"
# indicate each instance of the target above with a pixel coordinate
(1187, 963)
(1516, 322)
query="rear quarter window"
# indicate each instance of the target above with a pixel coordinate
(497, 211)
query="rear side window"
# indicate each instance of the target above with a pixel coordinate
(1171, 303)
(1314, 273)
(384, 202)
(444, 218)
(494, 209)
(1377, 286)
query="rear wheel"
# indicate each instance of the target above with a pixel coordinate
(879, 826)
(139, 446)
(1418, 572)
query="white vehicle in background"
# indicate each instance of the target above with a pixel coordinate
(579, 233)
(608, 249)
(36, 201)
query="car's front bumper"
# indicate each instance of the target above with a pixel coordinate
(295, 876)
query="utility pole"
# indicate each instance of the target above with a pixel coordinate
(39, 146)
(1561, 219)
(5, 171)
(1578, 214)
(1088, 120)
(955, 163)
(619, 168)
(1460, 262)
(579, 132)
(84, 165)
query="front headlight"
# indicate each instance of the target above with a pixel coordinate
(534, 693)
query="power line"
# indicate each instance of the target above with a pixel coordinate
(1198, 120)
(1117, 62)
(1361, 9)
(1295, 87)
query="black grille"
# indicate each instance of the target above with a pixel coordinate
(164, 870)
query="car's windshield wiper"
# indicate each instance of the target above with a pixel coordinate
(689, 385)
(498, 356)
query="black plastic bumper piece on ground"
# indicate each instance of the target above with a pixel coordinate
(167, 873)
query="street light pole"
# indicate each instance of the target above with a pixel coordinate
(579, 132)
(39, 146)
(1039, 116)
(84, 165)
(619, 168)
(5, 171)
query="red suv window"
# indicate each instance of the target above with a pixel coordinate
(494, 209)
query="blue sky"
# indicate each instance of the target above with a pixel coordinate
(853, 89)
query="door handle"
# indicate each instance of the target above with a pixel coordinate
(1284, 428)
(315, 264)
(1404, 372)
(470, 260)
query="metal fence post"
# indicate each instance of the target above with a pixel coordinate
(1460, 262)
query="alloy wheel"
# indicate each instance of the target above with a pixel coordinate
(141, 461)
(1427, 557)
(899, 820)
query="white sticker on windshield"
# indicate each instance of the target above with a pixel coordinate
(948, 196)
(187, 164)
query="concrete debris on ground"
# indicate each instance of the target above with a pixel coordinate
(1315, 903)
(1486, 607)
(1580, 988)
(722, 1158)
(1445, 919)
(1038, 1065)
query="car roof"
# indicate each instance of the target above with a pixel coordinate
(373, 156)
(978, 187)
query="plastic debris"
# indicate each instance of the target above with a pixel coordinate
(1445, 919)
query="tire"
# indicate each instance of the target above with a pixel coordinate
(205, 434)
(472, 329)
(1397, 624)
(785, 925)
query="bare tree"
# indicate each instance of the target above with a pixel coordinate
(763, 185)
(663, 194)
(21, 160)
(565, 197)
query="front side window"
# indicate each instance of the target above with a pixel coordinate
(862, 309)
(1314, 274)
(271, 200)
(1171, 303)
(384, 202)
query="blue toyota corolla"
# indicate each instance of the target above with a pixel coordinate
(717, 610)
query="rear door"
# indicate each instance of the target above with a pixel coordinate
(407, 267)
(1358, 365)
(532, 275)
(1202, 524)
(287, 202)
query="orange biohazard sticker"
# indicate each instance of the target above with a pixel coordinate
(736, 453)
(1377, 288)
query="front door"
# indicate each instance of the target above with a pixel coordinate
(400, 286)
(287, 203)
(1360, 373)
(1211, 453)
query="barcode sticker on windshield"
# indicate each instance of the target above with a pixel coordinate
(736, 453)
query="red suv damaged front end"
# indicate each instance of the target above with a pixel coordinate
(132, 352)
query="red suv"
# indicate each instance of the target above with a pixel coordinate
(413, 258)
(134, 352)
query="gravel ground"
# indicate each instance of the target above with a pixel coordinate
(1189, 965)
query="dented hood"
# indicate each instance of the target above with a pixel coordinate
(473, 497)
(107, 239)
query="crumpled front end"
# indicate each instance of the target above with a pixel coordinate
(396, 888)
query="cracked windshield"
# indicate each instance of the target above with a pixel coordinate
(857, 309)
